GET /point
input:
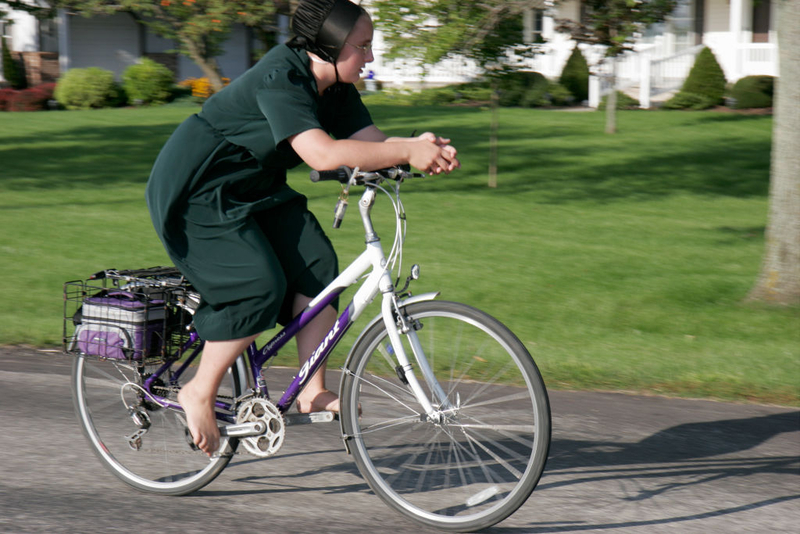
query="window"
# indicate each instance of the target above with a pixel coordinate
(5, 31)
(48, 36)
(678, 32)
(533, 24)
(761, 21)
(681, 25)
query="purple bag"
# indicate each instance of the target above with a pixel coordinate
(120, 325)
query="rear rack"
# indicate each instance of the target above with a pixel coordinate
(143, 316)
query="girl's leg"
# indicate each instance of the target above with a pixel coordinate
(198, 395)
(315, 397)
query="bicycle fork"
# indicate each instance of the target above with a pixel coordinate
(397, 324)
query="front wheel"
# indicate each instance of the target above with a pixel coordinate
(140, 442)
(481, 456)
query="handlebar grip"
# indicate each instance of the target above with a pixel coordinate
(342, 174)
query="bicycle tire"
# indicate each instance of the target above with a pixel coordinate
(483, 460)
(165, 463)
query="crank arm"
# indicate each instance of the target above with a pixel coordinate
(308, 418)
(243, 430)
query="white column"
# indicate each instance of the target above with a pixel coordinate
(644, 79)
(527, 26)
(594, 91)
(735, 30)
(62, 22)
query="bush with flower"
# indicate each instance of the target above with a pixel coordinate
(201, 87)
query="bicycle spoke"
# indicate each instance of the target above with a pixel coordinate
(496, 400)
(388, 424)
(386, 393)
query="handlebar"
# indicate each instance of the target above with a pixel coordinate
(345, 175)
(348, 176)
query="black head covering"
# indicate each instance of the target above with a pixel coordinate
(322, 26)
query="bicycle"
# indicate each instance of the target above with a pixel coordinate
(442, 407)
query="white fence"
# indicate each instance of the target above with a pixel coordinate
(656, 76)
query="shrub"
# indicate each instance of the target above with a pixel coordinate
(463, 93)
(87, 88)
(753, 92)
(6, 94)
(147, 82)
(31, 99)
(684, 100)
(705, 79)
(624, 101)
(525, 89)
(559, 95)
(13, 71)
(575, 76)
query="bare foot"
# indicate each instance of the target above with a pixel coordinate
(200, 418)
(324, 401)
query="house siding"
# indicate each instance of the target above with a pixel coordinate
(109, 42)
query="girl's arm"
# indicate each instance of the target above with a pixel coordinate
(367, 150)
(373, 133)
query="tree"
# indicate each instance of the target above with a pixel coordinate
(198, 27)
(575, 75)
(12, 71)
(779, 281)
(431, 30)
(614, 25)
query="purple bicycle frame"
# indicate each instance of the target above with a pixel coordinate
(259, 357)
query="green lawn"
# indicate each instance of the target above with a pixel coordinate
(621, 261)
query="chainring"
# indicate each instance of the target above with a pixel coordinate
(260, 409)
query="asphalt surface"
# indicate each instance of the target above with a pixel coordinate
(618, 464)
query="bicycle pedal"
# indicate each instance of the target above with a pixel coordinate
(308, 418)
(188, 435)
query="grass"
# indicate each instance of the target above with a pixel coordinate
(621, 261)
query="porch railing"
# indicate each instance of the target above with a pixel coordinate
(657, 76)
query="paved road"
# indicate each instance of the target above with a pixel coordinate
(619, 464)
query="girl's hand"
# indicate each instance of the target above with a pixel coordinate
(432, 157)
(433, 138)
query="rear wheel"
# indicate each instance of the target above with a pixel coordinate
(480, 458)
(142, 443)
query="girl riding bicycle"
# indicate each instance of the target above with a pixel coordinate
(222, 208)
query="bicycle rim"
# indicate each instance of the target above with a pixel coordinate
(484, 458)
(104, 391)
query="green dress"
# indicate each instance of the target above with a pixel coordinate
(221, 206)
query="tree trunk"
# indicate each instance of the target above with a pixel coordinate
(493, 127)
(611, 102)
(209, 66)
(779, 282)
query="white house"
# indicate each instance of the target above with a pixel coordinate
(741, 33)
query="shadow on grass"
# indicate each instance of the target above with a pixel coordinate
(98, 156)
(551, 156)
(605, 169)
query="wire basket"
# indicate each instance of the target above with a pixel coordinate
(142, 316)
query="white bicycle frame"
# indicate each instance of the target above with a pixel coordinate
(379, 280)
